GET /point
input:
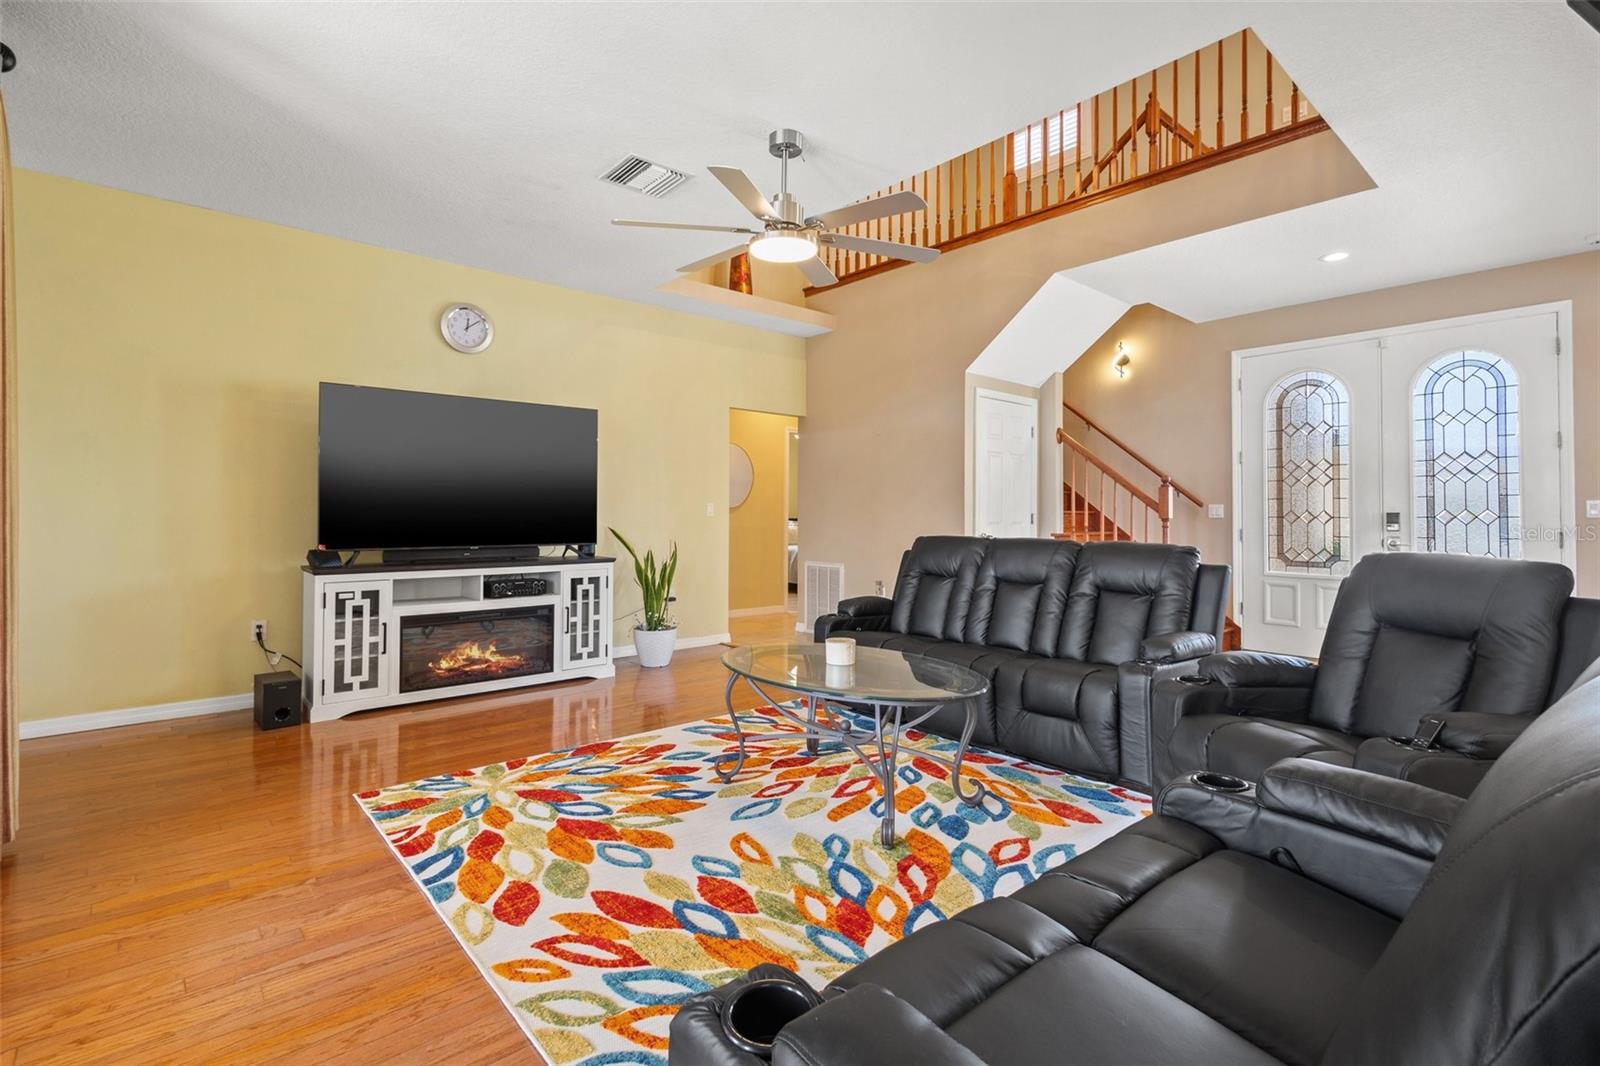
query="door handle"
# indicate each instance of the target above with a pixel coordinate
(1392, 544)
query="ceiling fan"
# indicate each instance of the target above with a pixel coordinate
(788, 234)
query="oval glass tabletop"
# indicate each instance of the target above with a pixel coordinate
(878, 676)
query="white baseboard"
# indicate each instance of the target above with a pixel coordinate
(624, 651)
(159, 712)
(746, 612)
(155, 712)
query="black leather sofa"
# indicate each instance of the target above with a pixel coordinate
(1059, 628)
(1327, 916)
(1480, 645)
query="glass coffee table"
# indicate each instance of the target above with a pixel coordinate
(896, 690)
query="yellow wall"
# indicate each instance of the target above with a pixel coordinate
(757, 570)
(168, 383)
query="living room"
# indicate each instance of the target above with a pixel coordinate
(1062, 516)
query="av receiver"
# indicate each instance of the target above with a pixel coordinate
(505, 586)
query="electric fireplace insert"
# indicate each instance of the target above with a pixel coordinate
(463, 648)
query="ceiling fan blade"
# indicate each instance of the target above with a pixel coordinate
(744, 190)
(679, 225)
(712, 260)
(817, 272)
(896, 203)
(889, 248)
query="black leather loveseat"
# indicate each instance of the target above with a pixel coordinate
(1065, 632)
(1431, 666)
(1329, 916)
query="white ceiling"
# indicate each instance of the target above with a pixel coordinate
(1479, 123)
(474, 132)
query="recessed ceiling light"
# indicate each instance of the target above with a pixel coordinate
(1334, 257)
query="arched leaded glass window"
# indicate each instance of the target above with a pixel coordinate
(1308, 474)
(1466, 455)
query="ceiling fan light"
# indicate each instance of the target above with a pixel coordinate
(783, 247)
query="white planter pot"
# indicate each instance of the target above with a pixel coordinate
(655, 645)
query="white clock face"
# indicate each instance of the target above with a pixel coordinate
(466, 328)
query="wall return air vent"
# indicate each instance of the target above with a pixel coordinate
(641, 175)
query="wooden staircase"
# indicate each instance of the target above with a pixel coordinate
(1101, 503)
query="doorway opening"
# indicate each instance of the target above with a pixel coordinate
(763, 524)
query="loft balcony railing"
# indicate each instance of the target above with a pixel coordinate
(1218, 103)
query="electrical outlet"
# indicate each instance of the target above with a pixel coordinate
(1591, 508)
(878, 587)
(1216, 510)
(711, 510)
(258, 631)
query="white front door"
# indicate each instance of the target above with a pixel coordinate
(1005, 467)
(1310, 424)
(1443, 437)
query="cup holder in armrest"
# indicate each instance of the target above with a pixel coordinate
(1194, 679)
(1215, 782)
(752, 1016)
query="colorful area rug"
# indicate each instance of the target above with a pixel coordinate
(597, 888)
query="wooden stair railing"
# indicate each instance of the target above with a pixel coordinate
(1104, 504)
(1193, 112)
(1159, 474)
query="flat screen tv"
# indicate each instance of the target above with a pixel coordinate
(417, 470)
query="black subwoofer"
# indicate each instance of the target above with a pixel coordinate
(278, 700)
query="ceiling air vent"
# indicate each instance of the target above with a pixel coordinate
(641, 175)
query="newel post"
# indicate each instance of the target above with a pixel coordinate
(1164, 498)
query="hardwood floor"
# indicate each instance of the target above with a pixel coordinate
(198, 891)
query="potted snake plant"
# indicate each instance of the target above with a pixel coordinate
(657, 634)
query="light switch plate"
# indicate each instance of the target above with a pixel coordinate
(711, 510)
(1216, 510)
(1592, 508)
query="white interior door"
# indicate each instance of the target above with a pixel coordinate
(1471, 435)
(1442, 437)
(1005, 468)
(1310, 502)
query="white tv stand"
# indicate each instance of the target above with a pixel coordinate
(371, 633)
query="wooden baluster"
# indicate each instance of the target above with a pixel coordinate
(1219, 95)
(1116, 175)
(1174, 152)
(994, 176)
(1061, 156)
(1077, 148)
(938, 216)
(1133, 127)
(1269, 90)
(1027, 170)
(962, 185)
(922, 222)
(1008, 189)
(1294, 102)
(949, 197)
(1196, 149)
(1244, 85)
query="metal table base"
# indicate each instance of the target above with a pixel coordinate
(879, 750)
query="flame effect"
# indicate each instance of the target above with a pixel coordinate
(472, 658)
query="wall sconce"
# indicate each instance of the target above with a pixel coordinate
(1120, 363)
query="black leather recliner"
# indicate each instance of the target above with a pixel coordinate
(1481, 644)
(1329, 916)
(1049, 622)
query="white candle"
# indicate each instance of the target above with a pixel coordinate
(841, 651)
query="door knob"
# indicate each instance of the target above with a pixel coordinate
(1392, 544)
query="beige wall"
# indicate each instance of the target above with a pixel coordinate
(169, 366)
(1174, 405)
(884, 437)
(757, 540)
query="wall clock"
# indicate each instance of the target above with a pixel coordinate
(466, 328)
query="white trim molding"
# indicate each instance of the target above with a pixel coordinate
(155, 712)
(623, 651)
